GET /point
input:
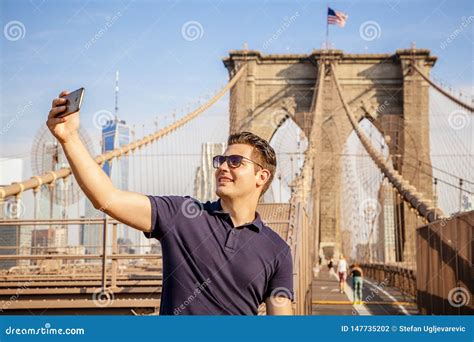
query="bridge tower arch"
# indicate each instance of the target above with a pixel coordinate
(381, 87)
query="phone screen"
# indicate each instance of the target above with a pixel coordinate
(73, 104)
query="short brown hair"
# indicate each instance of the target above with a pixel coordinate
(262, 152)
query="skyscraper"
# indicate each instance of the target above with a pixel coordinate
(204, 182)
(15, 239)
(115, 134)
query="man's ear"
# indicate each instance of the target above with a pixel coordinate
(263, 176)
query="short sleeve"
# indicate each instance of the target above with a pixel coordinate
(166, 211)
(281, 283)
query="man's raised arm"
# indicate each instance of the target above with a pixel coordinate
(131, 208)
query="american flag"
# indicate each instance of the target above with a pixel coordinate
(335, 17)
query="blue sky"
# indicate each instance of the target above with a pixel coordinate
(47, 46)
(68, 44)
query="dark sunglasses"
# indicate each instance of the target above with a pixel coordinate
(233, 161)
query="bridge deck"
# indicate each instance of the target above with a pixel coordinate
(377, 298)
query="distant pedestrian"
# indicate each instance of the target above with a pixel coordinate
(342, 273)
(331, 266)
(357, 282)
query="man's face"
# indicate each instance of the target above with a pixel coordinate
(242, 181)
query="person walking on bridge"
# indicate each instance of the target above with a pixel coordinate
(357, 282)
(342, 273)
(219, 258)
(330, 266)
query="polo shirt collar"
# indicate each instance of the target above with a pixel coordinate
(216, 209)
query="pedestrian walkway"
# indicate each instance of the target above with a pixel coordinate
(378, 298)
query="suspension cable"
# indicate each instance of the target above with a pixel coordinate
(15, 189)
(442, 91)
(408, 192)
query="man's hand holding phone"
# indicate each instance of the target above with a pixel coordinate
(63, 118)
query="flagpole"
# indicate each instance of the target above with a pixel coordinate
(327, 28)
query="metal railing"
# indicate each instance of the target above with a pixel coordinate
(400, 278)
(444, 260)
(104, 257)
(300, 241)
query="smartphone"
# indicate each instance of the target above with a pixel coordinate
(73, 104)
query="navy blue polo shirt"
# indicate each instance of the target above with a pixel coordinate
(211, 267)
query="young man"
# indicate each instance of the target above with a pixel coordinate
(219, 258)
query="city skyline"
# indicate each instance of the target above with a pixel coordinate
(155, 47)
(369, 142)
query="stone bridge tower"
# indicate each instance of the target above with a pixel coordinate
(380, 87)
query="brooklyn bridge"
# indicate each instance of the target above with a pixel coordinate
(374, 163)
